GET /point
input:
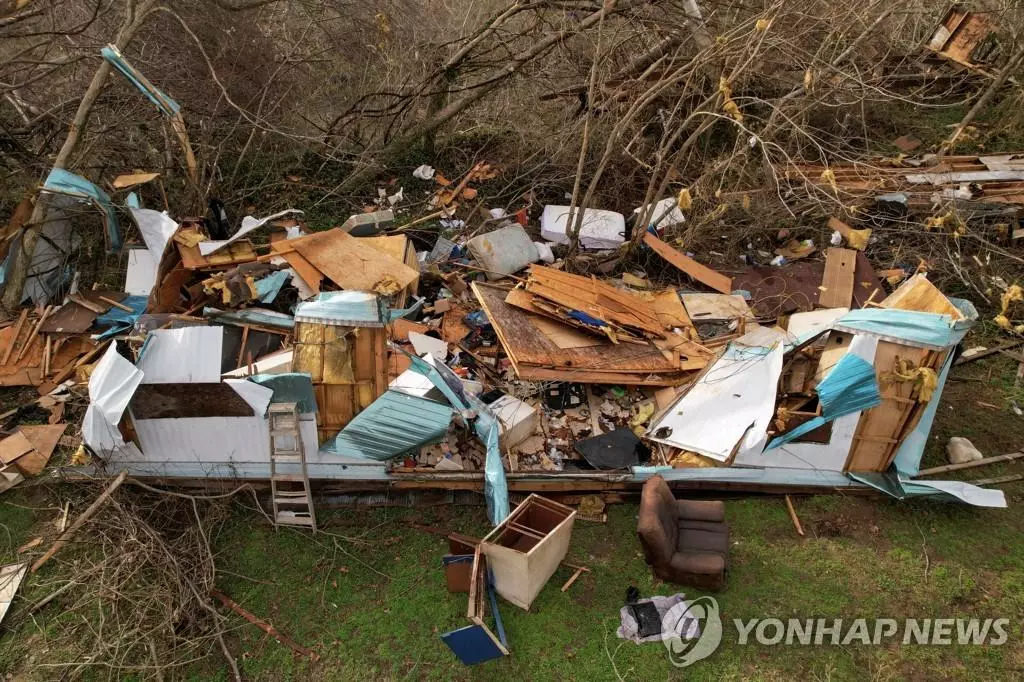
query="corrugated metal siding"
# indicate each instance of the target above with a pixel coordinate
(395, 423)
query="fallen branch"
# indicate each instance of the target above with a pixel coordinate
(265, 626)
(80, 521)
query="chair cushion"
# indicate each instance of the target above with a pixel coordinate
(701, 541)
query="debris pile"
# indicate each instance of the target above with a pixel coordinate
(473, 354)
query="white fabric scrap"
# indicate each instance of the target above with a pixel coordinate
(686, 628)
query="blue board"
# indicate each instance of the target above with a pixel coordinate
(472, 644)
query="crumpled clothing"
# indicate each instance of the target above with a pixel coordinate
(687, 628)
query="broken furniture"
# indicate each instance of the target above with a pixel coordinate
(289, 480)
(526, 548)
(684, 541)
(476, 643)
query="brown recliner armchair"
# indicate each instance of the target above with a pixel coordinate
(684, 541)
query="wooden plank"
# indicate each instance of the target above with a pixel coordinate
(879, 427)
(351, 264)
(13, 447)
(1005, 345)
(946, 468)
(594, 298)
(837, 281)
(917, 293)
(302, 267)
(695, 270)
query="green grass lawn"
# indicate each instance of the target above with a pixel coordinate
(369, 596)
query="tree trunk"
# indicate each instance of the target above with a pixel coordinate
(983, 101)
(133, 20)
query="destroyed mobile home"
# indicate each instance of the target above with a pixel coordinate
(541, 381)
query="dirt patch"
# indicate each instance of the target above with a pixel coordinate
(857, 520)
(583, 591)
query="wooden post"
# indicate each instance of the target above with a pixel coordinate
(793, 517)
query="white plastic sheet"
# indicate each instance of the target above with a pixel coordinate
(249, 224)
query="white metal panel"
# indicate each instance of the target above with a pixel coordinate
(275, 363)
(216, 441)
(190, 355)
(141, 274)
(732, 404)
(257, 396)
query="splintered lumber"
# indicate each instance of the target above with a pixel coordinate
(265, 626)
(970, 465)
(35, 332)
(998, 348)
(535, 356)
(80, 521)
(837, 281)
(595, 298)
(695, 270)
(14, 338)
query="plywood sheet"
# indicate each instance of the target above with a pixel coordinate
(695, 270)
(880, 427)
(351, 264)
(706, 307)
(44, 440)
(917, 293)
(837, 281)
(13, 447)
(72, 318)
(184, 401)
(528, 346)
(302, 267)
(563, 336)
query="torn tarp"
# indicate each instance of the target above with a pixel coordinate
(851, 386)
(61, 181)
(120, 321)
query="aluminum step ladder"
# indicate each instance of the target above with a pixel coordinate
(289, 481)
